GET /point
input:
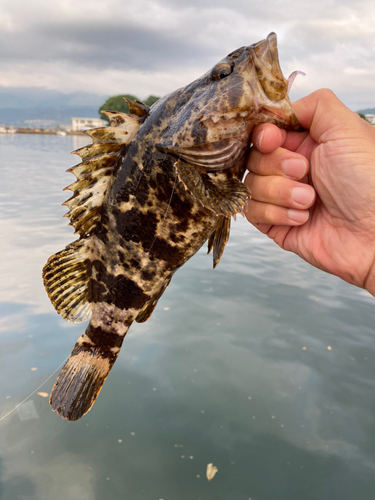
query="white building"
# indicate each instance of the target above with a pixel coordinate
(80, 124)
(371, 119)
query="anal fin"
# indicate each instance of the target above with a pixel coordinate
(218, 239)
(148, 308)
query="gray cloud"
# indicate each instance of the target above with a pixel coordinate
(166, 42)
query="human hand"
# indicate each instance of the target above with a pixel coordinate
(313, 192)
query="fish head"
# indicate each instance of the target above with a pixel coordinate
(214, 116)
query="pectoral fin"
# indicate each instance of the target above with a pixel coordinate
(214, 190)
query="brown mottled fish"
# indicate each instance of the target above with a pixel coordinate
(151, 189)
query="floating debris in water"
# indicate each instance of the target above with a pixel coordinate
(120, 440)
(27, 411)
(43, 394)
(34, 369)
(329, 348)
(132, 433)
(211, 471)
(304, 348)
(166, 308)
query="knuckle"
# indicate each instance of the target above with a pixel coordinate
(271, 188)
(269, 213)
(249, 180)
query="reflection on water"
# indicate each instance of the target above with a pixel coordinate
(233, 368)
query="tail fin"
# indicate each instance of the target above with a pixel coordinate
(83, 375)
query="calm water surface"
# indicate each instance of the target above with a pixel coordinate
(233, 368)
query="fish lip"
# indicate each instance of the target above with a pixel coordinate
(278, 113)
(266, 50)
(283, 118)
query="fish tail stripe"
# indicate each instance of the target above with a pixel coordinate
(104, 340)
(85, 372)
(66, 278)
(80, 382)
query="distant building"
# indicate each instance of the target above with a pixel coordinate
(80, 124)
(38, 123)
(371, 119)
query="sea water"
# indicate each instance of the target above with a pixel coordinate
(264, 367)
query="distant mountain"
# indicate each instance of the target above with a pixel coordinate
(30, 97)
(368, 111)
(54, 116)
(20, 105)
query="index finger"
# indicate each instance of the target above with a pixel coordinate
(267, 138)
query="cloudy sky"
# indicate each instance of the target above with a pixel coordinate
(147, 47)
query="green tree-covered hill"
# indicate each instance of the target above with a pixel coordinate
(117, 103)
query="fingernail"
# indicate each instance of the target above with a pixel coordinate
(298, 215)
(258, 142)
(302, 195)
(294, 168)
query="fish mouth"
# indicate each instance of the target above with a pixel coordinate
(281, 118)
(264, 56)
(268, 80)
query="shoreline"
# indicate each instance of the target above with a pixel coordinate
(39, 131)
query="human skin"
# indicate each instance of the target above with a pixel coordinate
(313, 192)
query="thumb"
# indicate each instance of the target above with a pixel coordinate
(323, 114)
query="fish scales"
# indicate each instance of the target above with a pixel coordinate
(150, 191)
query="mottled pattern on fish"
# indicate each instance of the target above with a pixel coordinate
(152, 188)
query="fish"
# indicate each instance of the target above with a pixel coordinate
(151, 189)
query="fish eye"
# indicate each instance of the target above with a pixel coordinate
(222, 71)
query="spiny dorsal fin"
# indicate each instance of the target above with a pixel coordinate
(219, 238)
(137, 108)
(66, 276)
(97, 169)
(214, 190)
(66, 279)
